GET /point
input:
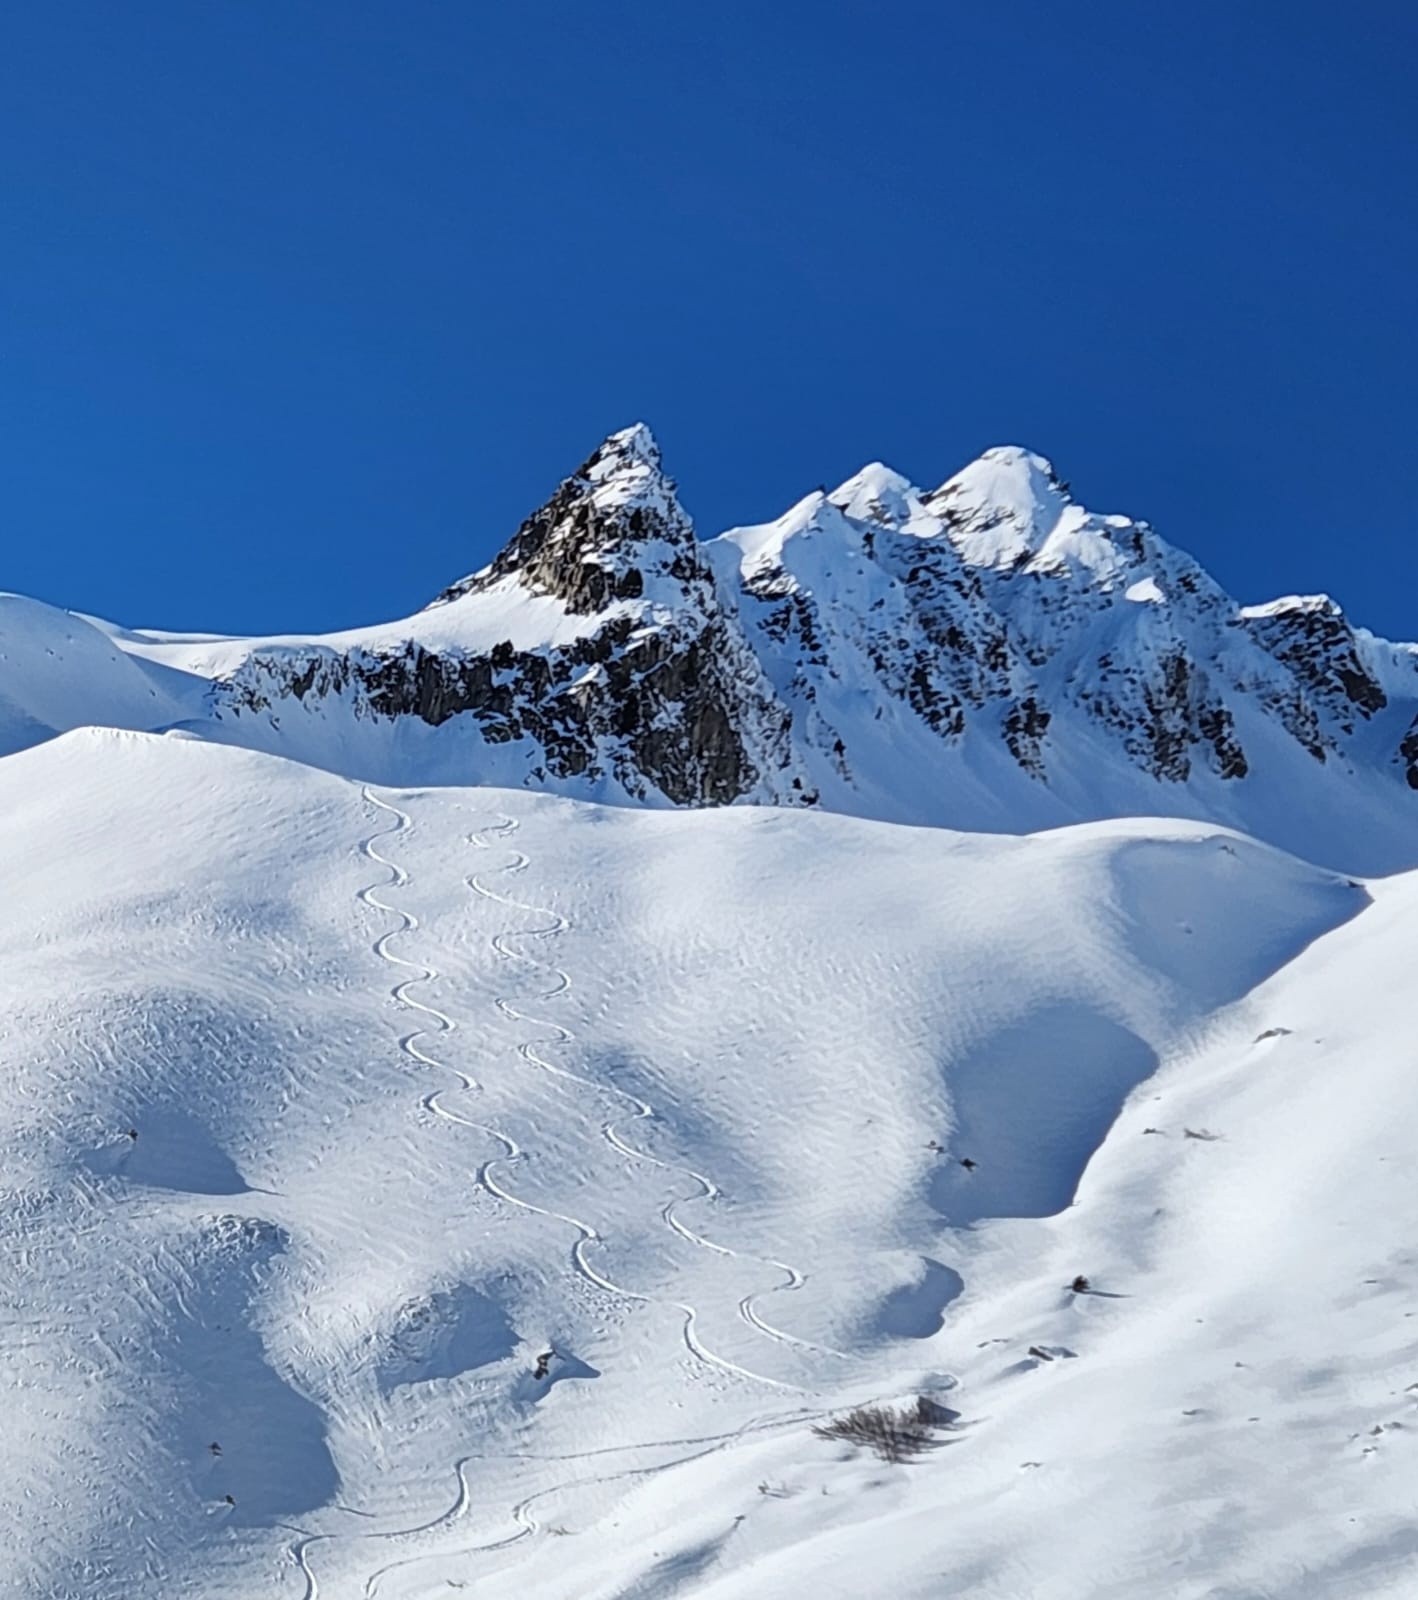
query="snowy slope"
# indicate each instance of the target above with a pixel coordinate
(987, 655)
(60, 671)
(427, 1083)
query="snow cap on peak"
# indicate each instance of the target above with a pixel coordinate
(816, 528)
(1017, 456)
(627, 471)
(877, 493)
(1002, 506)
(634, 446)
(1005, 474)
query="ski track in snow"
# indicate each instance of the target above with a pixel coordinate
(642, 1110)
(589, 1234)
(408, 1043)
(420, 973)
(521, 1513)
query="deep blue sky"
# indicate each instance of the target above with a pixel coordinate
(304, 306)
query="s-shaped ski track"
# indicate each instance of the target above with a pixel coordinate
(552, 925)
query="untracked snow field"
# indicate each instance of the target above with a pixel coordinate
(331, 1116)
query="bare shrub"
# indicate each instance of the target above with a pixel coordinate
(895, 1433)
(928, 1413)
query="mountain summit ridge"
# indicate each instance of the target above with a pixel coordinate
(987, 654)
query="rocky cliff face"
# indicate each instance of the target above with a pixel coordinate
(879, 648)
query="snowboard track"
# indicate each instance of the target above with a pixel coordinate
(522, 1513)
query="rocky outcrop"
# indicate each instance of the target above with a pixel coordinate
(1408, 754)
(589, 545)
(1311, 636)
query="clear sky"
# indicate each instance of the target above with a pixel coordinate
(303, 306)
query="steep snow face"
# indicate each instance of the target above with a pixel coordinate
(987, 654)
(430, 1086)
(879, 641)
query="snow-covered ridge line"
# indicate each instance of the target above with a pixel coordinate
(985, 654)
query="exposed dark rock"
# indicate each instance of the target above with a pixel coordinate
(1408, 754)
(1025, 725)
(1313, 638)
(1216, 726)
(663, 701)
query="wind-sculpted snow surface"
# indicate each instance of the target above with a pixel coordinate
(410, 1191)
(988, 654)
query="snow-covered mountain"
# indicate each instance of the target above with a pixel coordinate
(485, 1100)
(987, 654)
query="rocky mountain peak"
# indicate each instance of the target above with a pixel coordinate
(610, 527)
(633, 449)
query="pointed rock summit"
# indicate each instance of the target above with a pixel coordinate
(633, 447)
(583, 546)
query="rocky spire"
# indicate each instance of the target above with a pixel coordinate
(612, 523)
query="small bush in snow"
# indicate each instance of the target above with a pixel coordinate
(895, 1433)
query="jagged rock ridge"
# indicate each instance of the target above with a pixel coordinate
(993, 607)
